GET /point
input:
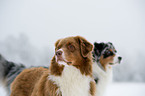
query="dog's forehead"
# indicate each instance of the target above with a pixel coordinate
(69, 40)
(110, 46)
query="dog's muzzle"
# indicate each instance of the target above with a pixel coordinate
(59, 56)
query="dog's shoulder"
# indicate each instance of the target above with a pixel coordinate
(33, 72)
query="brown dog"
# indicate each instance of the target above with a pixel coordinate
(70, 72)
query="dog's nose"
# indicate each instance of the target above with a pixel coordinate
(120, 58)
(58, 53)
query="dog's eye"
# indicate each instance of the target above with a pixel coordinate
(109, 53)
(71, 47)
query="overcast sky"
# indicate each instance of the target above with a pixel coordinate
(44, 21)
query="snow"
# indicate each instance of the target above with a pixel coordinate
(116, 89)
(126, 89)
(2, 91)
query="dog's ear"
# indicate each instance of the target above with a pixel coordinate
(99, 46)
(85, 46)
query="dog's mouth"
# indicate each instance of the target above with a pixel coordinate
(60, 60)
(114, 63)
(117, 60)
(66, 62)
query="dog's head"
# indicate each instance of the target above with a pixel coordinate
(105, 53)
(72, 50)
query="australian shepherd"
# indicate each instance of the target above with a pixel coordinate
(70, 72)
(105, 55)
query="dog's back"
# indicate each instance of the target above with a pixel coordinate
(34, 82)
(27, 82)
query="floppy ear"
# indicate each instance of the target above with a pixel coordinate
(98, 46)
(85, 46)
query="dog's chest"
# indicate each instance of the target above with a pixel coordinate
(100, 73)
(104, 78)
(72, 82)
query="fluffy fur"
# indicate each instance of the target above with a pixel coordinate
(9, 71)
(104, 57)
(72, 82)
(70, 72)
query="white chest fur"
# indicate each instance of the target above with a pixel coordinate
(104, 78)
(72, 82)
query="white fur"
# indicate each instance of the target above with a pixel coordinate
(62, 63)
(105, 77)
(58, 92)
(116, 60)
(72, 82)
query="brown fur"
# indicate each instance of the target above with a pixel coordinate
(105, 61)
(92, 88)
(55, 68)
(33, 82)
(36, 82)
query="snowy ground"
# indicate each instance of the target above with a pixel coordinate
(126, 89)
(116, 89)
(2, 92)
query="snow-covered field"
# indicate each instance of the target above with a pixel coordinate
(116, 89)
(2, 92)
(126, 89)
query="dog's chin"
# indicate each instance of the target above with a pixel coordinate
(114, 63)
(63, 62)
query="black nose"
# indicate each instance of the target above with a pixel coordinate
(58, 53)
(120, 58)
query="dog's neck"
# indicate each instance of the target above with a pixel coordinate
(70, 80)
(105, 68)
(98, 69)
(85, 67)
(71, 77)
(100, 65)
(102, 77)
